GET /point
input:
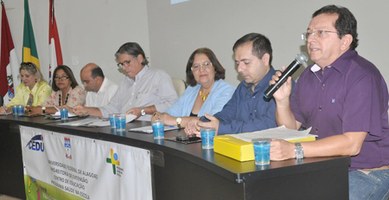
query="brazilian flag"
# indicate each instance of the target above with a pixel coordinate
(30, 54)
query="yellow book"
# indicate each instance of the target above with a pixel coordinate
(240, 147)
(234, 148)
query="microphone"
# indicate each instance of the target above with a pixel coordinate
(300, 59)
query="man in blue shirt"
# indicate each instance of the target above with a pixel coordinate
(247, 110)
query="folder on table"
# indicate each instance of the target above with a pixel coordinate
(240, 146)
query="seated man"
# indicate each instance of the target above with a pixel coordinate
(344, 98)
(143, 91)
(247, 110)
(99, 88)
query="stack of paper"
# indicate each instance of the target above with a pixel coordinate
(280, 132)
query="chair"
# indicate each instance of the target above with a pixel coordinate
(179, 85)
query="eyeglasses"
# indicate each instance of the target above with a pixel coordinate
(205, 66)
(62, 78)
(124, 63)
(317, 34)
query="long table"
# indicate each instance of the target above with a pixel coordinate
(183, 171)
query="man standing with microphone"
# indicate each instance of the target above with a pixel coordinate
(344, 98)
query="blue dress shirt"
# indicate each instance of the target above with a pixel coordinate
(247, 111)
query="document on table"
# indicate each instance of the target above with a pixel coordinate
(57, 115)
(149, 129)
(280, 132)
(95, 122)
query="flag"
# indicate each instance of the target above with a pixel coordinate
(9, 65)
(54, 42)
(30, 54)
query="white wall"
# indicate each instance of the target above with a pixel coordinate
(175, 31)
(92, 30)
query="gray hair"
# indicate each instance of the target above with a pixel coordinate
(134, 49)
(31, 69)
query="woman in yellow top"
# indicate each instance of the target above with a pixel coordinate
(32, 91)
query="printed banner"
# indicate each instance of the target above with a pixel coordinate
(61, 166)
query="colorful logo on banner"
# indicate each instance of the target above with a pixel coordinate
(114, 160)
(68, 148)
(36, 143)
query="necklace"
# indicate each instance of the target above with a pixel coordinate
(30, 99)
(202, 95)
(60, 99)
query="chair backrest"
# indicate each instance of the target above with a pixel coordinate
(179, 85)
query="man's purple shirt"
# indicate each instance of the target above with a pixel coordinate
(349, 96)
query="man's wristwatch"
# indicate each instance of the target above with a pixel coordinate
(43, 110)
(142, 112)
(298, 151)
(178, 121)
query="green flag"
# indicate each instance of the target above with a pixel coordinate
(30, 54)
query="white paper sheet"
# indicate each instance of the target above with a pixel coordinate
(95, 122)
(280, 132)
(58, 115)
(149, 129)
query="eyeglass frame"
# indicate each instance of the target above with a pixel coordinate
(125, 63)
(62, 78)
(205, 66)
(317, 34)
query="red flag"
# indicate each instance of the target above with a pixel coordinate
(54, 43)
(9, 66)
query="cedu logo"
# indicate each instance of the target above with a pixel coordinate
(36, 143)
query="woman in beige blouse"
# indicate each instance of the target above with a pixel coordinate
(66, 91)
